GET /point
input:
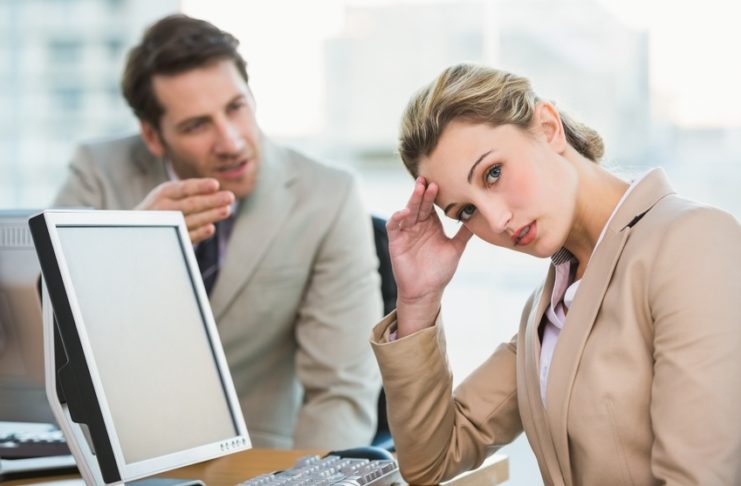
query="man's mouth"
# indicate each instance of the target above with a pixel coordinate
(233, 171)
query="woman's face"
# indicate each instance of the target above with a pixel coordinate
(511, 187)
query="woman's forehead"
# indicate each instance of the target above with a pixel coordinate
(462, 144)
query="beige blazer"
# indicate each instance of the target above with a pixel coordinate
(645, 383)
(297, 294)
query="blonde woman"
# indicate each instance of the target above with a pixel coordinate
(627, 365)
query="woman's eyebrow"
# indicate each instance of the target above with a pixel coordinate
(470, 176)
(478, 161)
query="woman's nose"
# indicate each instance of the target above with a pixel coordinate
(497, 216)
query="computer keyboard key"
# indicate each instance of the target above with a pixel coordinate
(333, 471)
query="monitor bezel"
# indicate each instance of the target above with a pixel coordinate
(56, 219)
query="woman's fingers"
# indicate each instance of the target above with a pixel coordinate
(427, 206)
(394, 222)
(461, 238)
(420, 206)
(415, 201)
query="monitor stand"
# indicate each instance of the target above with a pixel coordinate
(74, 433)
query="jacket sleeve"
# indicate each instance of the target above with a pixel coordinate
(439, 433)
(695, 300)
(334, 361)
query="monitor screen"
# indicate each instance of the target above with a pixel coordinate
(22, 396)
(128, 292)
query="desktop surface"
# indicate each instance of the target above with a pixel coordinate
(238, 467)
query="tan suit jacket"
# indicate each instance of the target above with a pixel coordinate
(295, 298)
(645, 383)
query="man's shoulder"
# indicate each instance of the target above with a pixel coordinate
(122, 147)
(313, 174)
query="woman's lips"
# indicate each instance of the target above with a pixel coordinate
(525, 235)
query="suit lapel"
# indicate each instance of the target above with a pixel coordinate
(531, 392)
(573, 337)
(259, 219)
(586, 305)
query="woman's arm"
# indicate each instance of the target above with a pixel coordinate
(695, 300)
(438, 433)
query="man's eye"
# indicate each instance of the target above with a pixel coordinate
(466, 213)
(493, 174)
(236, 106)
(192, 127)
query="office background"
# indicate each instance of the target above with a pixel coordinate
(658, 79)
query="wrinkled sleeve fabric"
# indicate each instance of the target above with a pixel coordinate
(695, 300)
(334, 363)
(439, 432)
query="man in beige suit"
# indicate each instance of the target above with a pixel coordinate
(627, 366)
(295, 286)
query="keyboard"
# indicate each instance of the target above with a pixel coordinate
(333, 470)
(21, 440)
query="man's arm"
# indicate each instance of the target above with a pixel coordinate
(334, 361)
(199, 199)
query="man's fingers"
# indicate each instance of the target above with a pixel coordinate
(189, 187)
(201, 233)
(206, 218)
(177, 195)
(202, 203)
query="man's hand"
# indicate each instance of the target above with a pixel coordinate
(200, 201)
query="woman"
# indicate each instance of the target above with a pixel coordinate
(627, 365)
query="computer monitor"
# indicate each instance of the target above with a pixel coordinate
(142, 384)
(22, 395)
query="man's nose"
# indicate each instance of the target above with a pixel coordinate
(229, 139)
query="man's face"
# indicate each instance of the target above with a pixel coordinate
(208, 128)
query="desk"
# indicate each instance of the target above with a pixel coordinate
(235, 468)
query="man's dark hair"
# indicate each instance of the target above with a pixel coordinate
(174, 44)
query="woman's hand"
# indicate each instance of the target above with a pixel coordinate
(424, 259)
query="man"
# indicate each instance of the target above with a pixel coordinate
(295, 287)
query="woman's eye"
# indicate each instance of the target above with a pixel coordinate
(493, 174)
(466, 213)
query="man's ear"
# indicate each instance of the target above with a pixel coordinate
(548, 123)
(152, 139)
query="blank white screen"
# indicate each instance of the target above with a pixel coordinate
(149, 342)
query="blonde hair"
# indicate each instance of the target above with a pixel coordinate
(478, 94)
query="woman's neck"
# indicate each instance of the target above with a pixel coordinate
(598, 194)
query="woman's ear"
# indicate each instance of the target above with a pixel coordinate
(548, 123)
